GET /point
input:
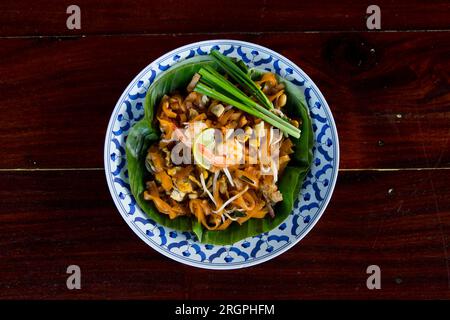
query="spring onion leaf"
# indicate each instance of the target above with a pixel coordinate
(215, 80)
(241, 78)
(261, 113)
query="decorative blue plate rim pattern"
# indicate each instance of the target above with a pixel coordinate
(182, 246)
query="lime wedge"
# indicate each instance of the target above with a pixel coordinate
(204, 140)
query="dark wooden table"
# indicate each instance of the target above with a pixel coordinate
(389, 91)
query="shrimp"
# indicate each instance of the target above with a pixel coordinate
(231, 153)
(215, 160)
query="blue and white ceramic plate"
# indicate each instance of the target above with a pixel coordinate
(183, 246)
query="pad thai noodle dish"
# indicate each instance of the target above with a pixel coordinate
(220, 146)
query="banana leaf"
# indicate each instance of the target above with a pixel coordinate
(146, 132)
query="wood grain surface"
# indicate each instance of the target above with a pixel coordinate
(25, 18)
(68, 217)
(389, 92)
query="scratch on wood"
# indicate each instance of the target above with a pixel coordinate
(443, 149)
(400, 206)
(441, 231)
(436, 204)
